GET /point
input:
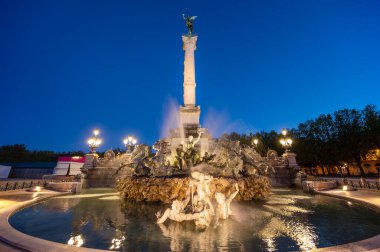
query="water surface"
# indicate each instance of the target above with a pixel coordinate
(289, 220)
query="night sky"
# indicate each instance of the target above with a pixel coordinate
(67, 67)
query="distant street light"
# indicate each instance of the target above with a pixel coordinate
(94, 141)
(129, 143)
(255, 142)
(286, 142)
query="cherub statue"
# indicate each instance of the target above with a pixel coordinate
(202, 183)
(177, 212)
(207, 210)
(189, 22)
(223, 210)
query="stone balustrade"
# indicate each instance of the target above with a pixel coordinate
(7, 185)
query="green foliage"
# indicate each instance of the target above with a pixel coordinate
(345, 136)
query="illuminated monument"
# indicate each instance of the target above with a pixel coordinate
(189, 129)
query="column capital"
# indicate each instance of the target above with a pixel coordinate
(189, 41)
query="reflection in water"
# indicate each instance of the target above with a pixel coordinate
(287, 221)
(282, 222)
(118, 240)
(76, 241)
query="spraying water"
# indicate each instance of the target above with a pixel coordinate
(219, 123)
(171, 119)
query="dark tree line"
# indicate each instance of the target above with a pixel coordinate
(345, 136)
(20, 153)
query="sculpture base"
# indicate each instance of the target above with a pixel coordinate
(189, 116)
(168, 189)
(98, 177)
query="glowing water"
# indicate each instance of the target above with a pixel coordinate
(287, 221)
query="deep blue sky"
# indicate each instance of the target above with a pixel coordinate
(67, 67)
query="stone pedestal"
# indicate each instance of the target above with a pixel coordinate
(73, 187)
(285, 173)
(189, 116)
(290, 159)
(99, 177)
(89, 161)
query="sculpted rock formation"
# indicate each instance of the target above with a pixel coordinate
(169, 189)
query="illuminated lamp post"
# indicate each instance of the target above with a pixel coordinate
(94, 141)
(286, 142)
(129, 143)
(255, 142)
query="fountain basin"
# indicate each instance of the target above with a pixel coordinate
(287, 220)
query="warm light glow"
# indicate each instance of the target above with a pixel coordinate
(345, 188)
(290, 141)
(90, 141)
(255, 141)
(129, 141)
(116, 243)
(76, 241)
(282, 141)
(284, 132)
(38, 188)
(96, 132)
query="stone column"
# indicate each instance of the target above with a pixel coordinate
(189, 46)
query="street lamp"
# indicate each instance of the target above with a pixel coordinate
(129, 143)
(94, 141)
(286, 142)
(255, 142)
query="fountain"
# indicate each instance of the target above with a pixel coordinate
(189, 168)
(197, 180)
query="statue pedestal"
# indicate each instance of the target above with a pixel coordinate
(285, 173)
(189, 116)
(89, 161)
(290, 159)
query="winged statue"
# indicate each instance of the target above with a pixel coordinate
(189, 22)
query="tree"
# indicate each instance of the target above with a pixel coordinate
(12, 153)
(346, 136)
(357, 133)
(20, 153)
(267, 140)
(314, 142)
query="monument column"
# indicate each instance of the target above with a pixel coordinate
(189, 46)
